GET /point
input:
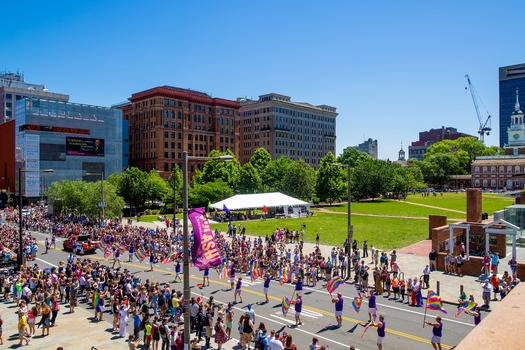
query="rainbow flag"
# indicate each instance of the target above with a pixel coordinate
(334, 284)
(434, 301)
(357, 302)
(468, 305)
(103, 246)
(366, 328)
(107, 253)
(285, 306)
(141, 254)
(96, 299)
(284, 274)
(120, 246)
(255, 271)
(170, 256)
(223, 271)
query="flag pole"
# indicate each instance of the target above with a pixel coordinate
(426, 304)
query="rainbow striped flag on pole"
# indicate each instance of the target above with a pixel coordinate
(223, 271)
(255, 271)
(285, 306)
(434, 301)
(334, 284)
(96, 299)
(357, 302)
(468, 305)
(120, 246)
(141, 254)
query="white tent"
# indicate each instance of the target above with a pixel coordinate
(257, 201)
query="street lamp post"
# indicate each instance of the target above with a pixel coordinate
(350, 232)
(102, 204)
(20, 257)
(185, 241)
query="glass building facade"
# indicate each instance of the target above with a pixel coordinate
(72, 139)
(510, 79)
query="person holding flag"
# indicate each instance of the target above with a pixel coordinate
(338, 309)
(298, 306)
(476, 313)
(232, 275)
(372, 307)
(298, 286)
(238, 290)
(177, 271)
(206, 277)
(266, 286)
(437, 332)
(381, 325)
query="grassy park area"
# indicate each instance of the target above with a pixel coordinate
(383, 232)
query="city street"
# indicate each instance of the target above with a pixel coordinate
(404, 324)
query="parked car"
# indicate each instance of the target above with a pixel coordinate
(88, 246)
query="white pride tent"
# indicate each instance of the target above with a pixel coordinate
(260, 200)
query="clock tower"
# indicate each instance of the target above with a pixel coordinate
(516, 131)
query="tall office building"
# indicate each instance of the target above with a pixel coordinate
(13, 88)
(369, 147)
(296, 130)
(165, 121)
(511, 78)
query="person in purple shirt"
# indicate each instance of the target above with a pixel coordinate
(372, 307)
(232, 276)
(338, 309)
(298, 286)
(476, 313)
(206, 277)
(381, 325)
(151, 260)
(238, 290)
(267, 280)
(177, 271)
(437, 332)
(298, 306)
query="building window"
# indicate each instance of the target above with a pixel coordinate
(172, 114)
(517, 169)
(165, 113)
(509, 169)
(484, 170)
(501, 169)
(166, 166)
(493, 169)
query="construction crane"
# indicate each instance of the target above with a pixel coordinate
(484, 126)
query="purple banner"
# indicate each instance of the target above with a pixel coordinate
(206, 254)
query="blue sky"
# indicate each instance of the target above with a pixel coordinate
(391, 68)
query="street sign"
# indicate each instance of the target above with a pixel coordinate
(102, 204)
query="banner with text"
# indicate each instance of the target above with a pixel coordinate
(83, 146)
(206, 253)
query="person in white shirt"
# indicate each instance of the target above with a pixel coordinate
(274, 343)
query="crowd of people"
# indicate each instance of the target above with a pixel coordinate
(154, 308)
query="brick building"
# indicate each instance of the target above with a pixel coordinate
(165, 121)
(426, 138)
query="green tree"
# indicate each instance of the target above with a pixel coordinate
(330, 184)
(352, 156)
(174, 183)
(371, 178)
(273, 175)
(260, 159)
(214, 170)
(133, 187)
(249, 181)
(157, 187)
(438, 168)
(202, 194)
(299, 180)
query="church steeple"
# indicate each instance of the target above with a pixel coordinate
(401, 155)
(517, 105)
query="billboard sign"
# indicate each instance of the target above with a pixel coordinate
(83, 146)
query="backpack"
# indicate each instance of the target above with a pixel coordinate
(162, 330)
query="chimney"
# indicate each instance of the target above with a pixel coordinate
(474, 205)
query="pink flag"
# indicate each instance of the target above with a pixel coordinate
(206, 253)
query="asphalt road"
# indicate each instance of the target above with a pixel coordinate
(404, 324)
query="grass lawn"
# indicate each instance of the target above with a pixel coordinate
(387, 207)
(457, 201)
(384, 233)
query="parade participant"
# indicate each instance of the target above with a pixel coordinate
(116, 258)
(177, 271)
(266, 286)
(151, 260)
(298, 286)
(238, 290)
(476, 313)
(338, 309)
(298, 306)
(232, 275)
(372, 307)
(381, 325)
(206, 277)
(437, 332)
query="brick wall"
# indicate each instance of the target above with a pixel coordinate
(435, 221)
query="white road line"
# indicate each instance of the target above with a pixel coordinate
(393, 307)
(46, 262)
(283, 319)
